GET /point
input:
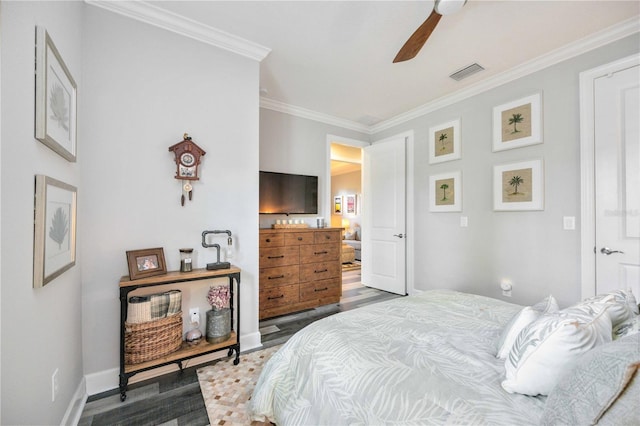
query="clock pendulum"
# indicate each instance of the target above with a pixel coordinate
(187, 158)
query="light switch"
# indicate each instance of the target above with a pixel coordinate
(464, 221)
(569, 223)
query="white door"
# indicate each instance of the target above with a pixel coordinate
(617, 181)
(383, 216)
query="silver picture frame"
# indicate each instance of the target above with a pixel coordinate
(54, 240)
(56, 99)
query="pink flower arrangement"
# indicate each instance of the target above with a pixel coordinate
(218, 297)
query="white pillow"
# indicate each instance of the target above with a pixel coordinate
(526, 316)
(627, 328)
(547, 347)
(623, 305)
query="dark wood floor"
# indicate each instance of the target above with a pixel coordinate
(175, 398)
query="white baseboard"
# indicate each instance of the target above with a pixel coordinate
(76, 406)
(106, 380)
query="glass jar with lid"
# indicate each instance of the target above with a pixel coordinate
(185, 259)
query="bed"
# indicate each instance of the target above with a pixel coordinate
(427, 359)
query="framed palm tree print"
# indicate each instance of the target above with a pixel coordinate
(445, 192)
(444, 142)
(518, 123)
(518, 186)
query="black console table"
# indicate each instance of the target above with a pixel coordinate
(186, 351)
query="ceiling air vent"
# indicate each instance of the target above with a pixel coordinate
(466, 72)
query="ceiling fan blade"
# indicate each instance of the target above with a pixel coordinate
(418, 38)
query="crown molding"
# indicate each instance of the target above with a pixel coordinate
(312, 115)
(593, 41)
(153, 15)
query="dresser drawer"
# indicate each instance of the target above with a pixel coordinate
(281, 275)
(320, 271)
(319, 253)
(271, 239)
(278, 296)
(321, 237)
(279, 256)
(320, 289)
(298, 238)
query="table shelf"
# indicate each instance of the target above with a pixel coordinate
(186, 351)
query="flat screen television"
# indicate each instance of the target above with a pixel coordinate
(284, 193)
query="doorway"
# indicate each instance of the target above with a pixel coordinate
(605, 99)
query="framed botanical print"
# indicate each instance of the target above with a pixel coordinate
(518, 186)
(444, 142)
(445, 192)
(56, 93)
(518, 123)
(54, 240)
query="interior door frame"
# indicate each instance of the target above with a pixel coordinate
(410, 224)
(587, 168)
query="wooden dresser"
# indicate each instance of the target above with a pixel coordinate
(300, 268)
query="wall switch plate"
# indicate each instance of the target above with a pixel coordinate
(569, 223)
(464, 221)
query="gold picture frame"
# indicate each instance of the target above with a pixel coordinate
(518, 186)
(54, 239)
(56, 95)
(518, 123)
(146, 263)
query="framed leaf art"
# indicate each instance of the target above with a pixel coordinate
(56, 95)
(54, 240)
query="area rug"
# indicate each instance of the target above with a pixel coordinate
(227, 388)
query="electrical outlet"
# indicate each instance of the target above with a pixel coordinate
(194, 315)
(55, 387)
(506, 287)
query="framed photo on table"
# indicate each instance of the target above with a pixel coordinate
(518, 186)
(146, 263)
(54, 240)
(445, 142)
(55, 103)
(518, 123)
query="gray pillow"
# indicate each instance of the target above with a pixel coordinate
(603, 387)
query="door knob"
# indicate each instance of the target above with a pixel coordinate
(399, 235)
(607, 251)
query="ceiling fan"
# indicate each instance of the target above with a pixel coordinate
(420, 36)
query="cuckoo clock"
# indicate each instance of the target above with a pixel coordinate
(187, 156)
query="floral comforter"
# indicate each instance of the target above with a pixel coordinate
(425, 359)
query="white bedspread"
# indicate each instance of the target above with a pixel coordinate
(426, 359)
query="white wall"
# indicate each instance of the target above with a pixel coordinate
(144, 87)
(290, 144)
(41, 328)
(529, 248)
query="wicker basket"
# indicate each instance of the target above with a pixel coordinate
(151, 340)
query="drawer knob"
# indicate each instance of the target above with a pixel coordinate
(268, 240)
(277, 277)
(321, 271)
(299, 238)
(275, 297)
